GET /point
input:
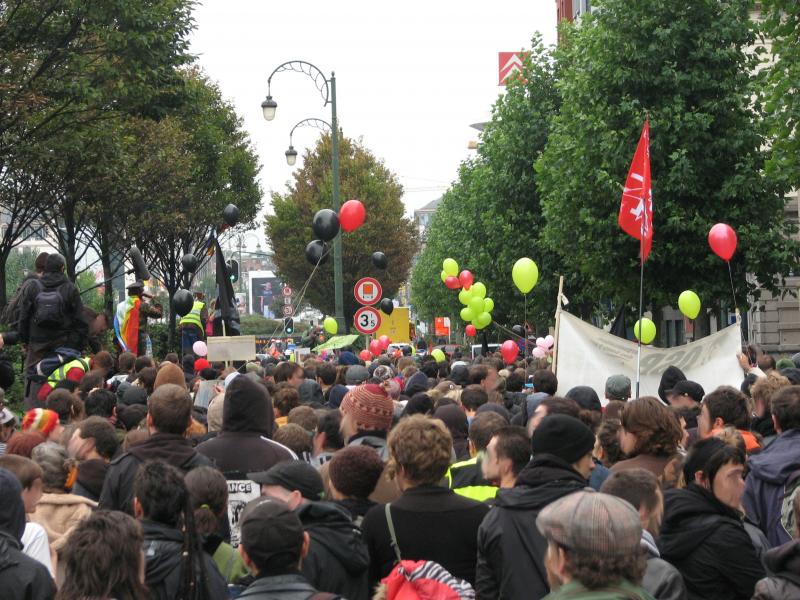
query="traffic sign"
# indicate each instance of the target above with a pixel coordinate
(287, 300)
(287, 291)
(288, 311)
(367, 320)
(367, 291)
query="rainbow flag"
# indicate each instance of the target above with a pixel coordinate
(126, 324)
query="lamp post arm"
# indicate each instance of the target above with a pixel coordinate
(301, 66)
(320, 124)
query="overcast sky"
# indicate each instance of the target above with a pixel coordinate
(411, 76)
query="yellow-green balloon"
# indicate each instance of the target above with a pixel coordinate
(483, 320)
(464, 296)
(450, 266)
(476, 305)
(488, 305)
(330, 325)
(443, 276)
(467, 314)
(438, 355)
(525, 274)
(648, 331)
(478, 290)
(689, 303)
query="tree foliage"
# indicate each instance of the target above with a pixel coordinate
(491, 216)
(365, 177)
(684, 64)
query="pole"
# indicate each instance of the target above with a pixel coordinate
(639, 337)
(558, 324)
(337, 241)
(525, 326)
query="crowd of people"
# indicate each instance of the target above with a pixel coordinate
(405, 477)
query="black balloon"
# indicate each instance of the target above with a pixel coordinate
(182, 302)
(387, 306)
(231, 214)
(379, 260)
(316, 250)
(518, 330)
(325, 224)
(189, 263)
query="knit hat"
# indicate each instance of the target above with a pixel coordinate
(347, 358)
(592, 524)
(784, 363)
(355, 471)
(370, 407)
(40, 419)
(562, 436)
(356, 375)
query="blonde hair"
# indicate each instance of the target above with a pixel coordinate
(764, 387)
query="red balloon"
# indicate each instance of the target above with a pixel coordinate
(384, 341)
(351, 215)
(375, 348)
(466, 279)
(722, 239)
(509, 350)
(365, 355)
(452, 282)
(471, 331)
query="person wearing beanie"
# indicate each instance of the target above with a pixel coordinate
(354, 473)
(508, 545)
(45, 422)
(593, 547)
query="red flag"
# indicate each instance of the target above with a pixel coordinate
(636, 209)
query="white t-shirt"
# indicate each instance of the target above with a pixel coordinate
(36, 545)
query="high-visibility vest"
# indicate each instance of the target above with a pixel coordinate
(61, 372)
(480, 492)
(193, 317)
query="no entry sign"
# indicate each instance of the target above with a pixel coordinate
(367, 320)
(367, 291)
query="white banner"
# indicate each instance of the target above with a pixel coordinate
(588, 356)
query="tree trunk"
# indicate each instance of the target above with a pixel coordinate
(3, 293)
(108, 274)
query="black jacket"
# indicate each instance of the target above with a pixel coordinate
(91, 475)
(706, 541)
(337, 560)
(73, 330)
(510, 547)
(164, 563)
(279, 587)
(243, 444)
(173, 449)
(432, 523)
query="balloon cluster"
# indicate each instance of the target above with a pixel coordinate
(477, 307)
(326, 225)
(376, 347)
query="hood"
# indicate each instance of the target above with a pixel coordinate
(649, 544)
(92, 474)
(310, 393)
(687, 523)
(169, 447)
(53, 280)
(668, 380)
(12, 517)
(455, 419)
(784, 558)
(247, 408)
(162, 551)
(330, 526)
(778, 460)
(418, 382)
(543, 480)
(170, 373)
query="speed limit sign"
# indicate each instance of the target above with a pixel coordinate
(367, 320)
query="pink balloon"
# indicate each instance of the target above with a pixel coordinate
(509, 351)
(452, 282)
(351, 215)
(470, 330)
(538, 352)
(722, 239)
(375, 348)
(365, 355)
(384, 341)
(549, 341)
(541, 343)
(466, 279)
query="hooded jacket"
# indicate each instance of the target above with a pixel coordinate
(73, 330)
(163, 554)
(510, 547)
(21, 577)
(172, 448)
(91, 475)
(59, 514)
(764, 491)
(784, 563)
(661, 580)
(707, 542)
(337, 560)
(244, 445)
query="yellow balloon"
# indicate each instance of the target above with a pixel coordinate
(443, 275)
(525, 274)
(689, 303)
(450, 267)
(488, 305)
(648, 333)
(478, 290)
(330, 325)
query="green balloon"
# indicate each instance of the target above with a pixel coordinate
(477, 324)
(525, 274)
(450, 267)
(484, 319)
(648, 331)
(464, 296)
(330, 325)
(476, 305)
(443, 276)
(488, 305)
(438, 355)
(478, 289)
(467, 314)
(689, 303)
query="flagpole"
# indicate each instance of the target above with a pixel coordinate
(639, 337)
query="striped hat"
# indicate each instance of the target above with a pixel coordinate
(370, 407)
(40, 419)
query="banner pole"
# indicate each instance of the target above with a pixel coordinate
(558, 324)
(639, 337)
(525, 326)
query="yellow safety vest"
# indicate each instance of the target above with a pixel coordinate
(193, 317)
(481, 493)
(61, 372)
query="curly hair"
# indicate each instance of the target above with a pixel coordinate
(764, 387)
(596, 572)
(609, 441)
(656, 428)
(422, 447)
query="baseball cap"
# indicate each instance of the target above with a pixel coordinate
(618, 387)
(292, 475)
(688, 388)
(6, 416)
(269, 528)
(592, 524)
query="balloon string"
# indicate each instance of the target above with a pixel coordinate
(735, 306)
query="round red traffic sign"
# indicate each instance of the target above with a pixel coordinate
(367, 320)
(367, 291)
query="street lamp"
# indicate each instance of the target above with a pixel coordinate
(327, 88)
(291, 153)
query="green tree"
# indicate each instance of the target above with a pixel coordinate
(365, 177)
(684, 64)
(491, 216)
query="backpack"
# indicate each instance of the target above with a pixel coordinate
(48, 307)
(791, 489)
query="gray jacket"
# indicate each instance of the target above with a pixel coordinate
(281, 587)
(661, 579)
